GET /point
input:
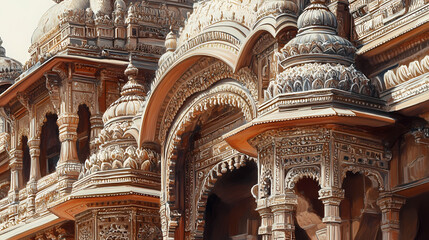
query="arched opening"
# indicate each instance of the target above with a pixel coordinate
(414, 218)
(360, 215)
(4, 183)
(310, 211)
(50, 145)
(26, 160)
(230, 210)
(83, 133)
(194, 156)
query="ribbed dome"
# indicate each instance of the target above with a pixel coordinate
(318, 58)
(317, 39)
(317, 15)
(131, 100)
(10, 69)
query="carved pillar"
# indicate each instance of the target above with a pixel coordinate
(390, 206)
(15, 165)
(266, 219)
(96, 127)
(283, 208)
(34, 145)
(68, 166)
(331, 198)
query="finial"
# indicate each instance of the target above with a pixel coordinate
(131, 71)
(171, 40)
(132, 87)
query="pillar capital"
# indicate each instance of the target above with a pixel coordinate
(389, 201)
(331, 195)
(15, 162)
(67, 125)
(390, 205)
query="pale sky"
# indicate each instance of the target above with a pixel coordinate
(18, 19)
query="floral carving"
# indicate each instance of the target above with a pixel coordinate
(314, 76)
(404, 73)
(114, 232)
(296, 173)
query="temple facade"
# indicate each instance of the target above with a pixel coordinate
(218, 119)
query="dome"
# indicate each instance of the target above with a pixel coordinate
(10, 69)
(131, 100)
(318, 58)
(317, 15)
(317, 39)
(51, 19)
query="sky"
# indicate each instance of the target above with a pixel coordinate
(18, 20)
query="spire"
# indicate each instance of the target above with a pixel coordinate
(171, 41)
(132, 87)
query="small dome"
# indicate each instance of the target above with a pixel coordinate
(10, 69)
(131, 100)
(317, 15)
(171, 41)
(317, 39)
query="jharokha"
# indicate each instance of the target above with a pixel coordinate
(218, 120)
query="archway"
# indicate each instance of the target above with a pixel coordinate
(26, 161)
(83, 133)
(230, 209)
(309, 211)
(360, 215)
(194, 146)
(50, 145)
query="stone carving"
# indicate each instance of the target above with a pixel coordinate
(150, 232)
(114, 232)
(404, 73)
(314, 76)
(296, 173)
(201, 77)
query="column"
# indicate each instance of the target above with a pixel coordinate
(68, 167)
(331, 198)
(390, 206)
(266, 219)
(96, 127)
(283, 208)
(15, 165)
(34, 145)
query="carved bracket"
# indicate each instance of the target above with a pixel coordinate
(53, 82)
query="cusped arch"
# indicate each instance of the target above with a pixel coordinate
(191, 76)
(41, 113)
(374, 175)
(208, 72)
(231, 164)
(297, 173)
(268, 25)
(228, 93)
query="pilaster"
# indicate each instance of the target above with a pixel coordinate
(68, 166)
(283, 208)
(265, 229)
(96, 127)
(390, 206)
(331, 198)
(15, 165)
